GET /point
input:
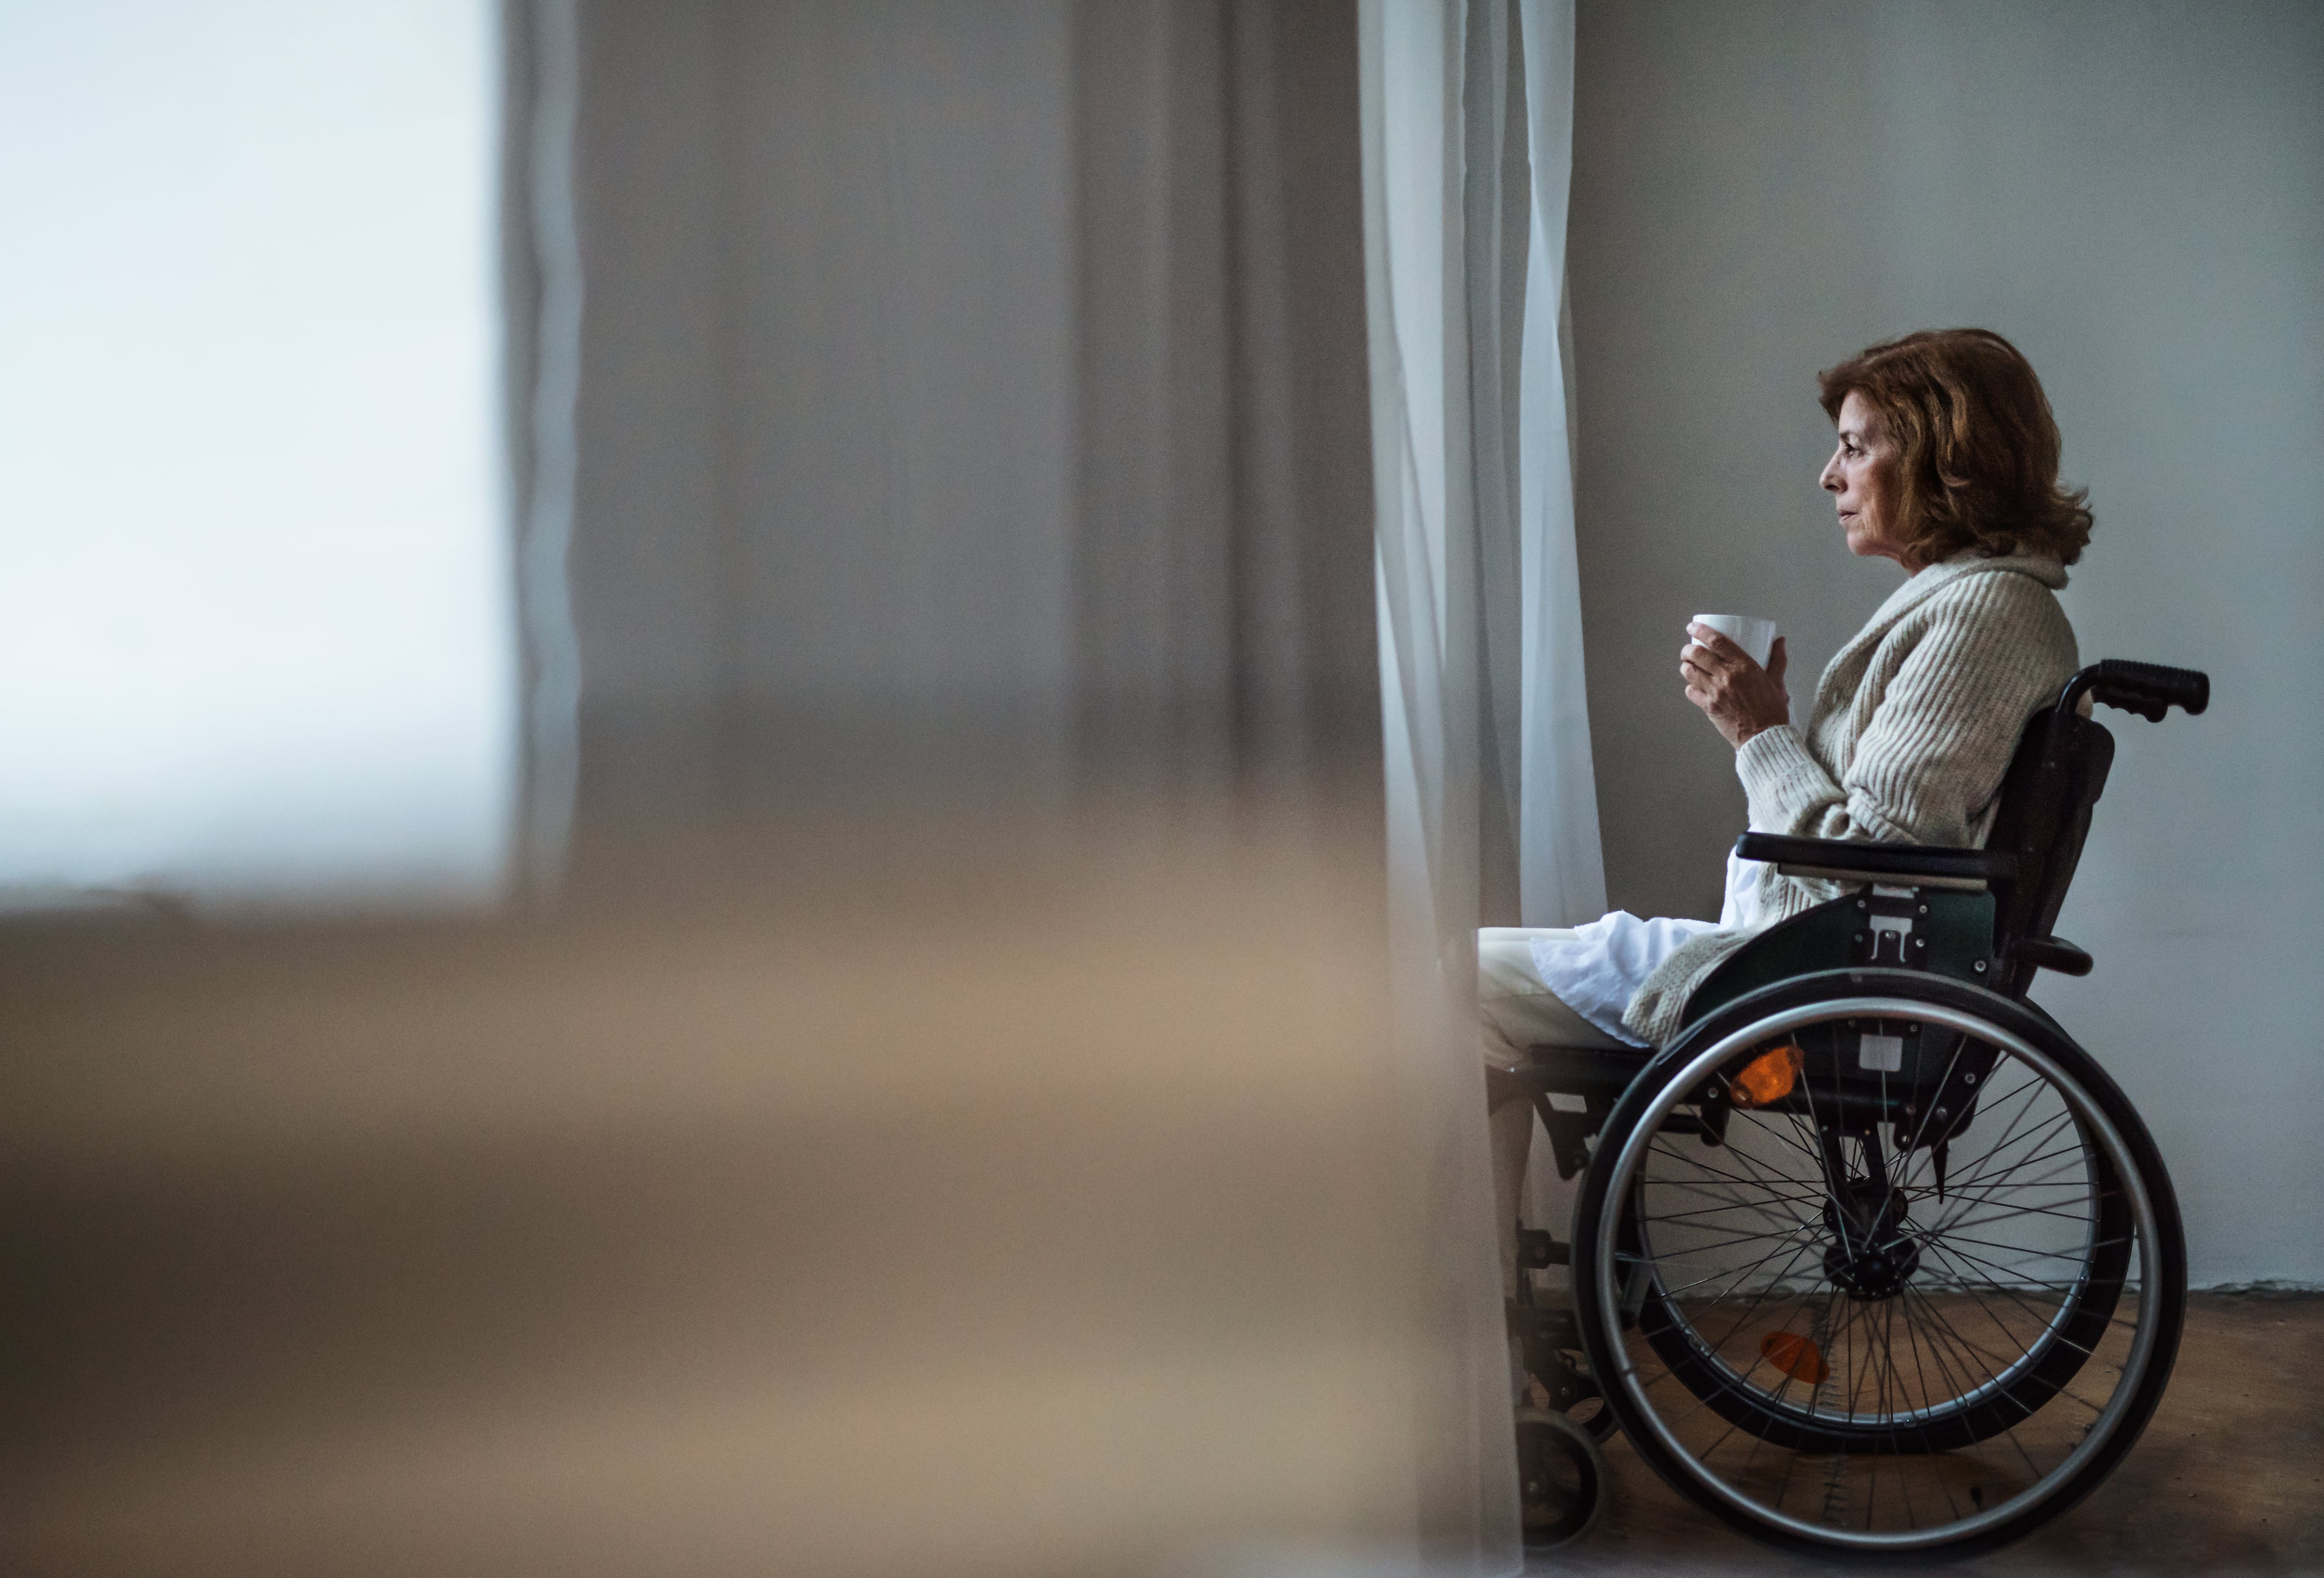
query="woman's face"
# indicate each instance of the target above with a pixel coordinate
(1859, 476)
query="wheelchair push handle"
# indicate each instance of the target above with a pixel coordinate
(2148, 689)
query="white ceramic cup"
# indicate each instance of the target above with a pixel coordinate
(1755, 636)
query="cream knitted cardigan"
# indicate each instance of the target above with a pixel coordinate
(1912, 729)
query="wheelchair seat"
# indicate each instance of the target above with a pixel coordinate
(1872, 1260)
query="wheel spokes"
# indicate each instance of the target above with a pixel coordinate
(1810, 1294)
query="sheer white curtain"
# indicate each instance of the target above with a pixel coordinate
(1426, 548)
(1435, 81)
(1561, 862)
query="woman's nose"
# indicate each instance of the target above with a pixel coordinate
(1830, 480)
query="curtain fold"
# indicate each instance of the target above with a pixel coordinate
(1562, 870)
(1222, 583)
(542, 285)
(1496, 207)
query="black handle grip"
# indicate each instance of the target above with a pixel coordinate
(2149, 689)
(2051, 953)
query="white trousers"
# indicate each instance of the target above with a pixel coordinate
(1515, 1011)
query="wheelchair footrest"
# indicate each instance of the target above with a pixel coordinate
(1549, 1336)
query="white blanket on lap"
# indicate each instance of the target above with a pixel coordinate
(1599, 967)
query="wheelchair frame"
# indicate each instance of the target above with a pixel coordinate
(1933, 950)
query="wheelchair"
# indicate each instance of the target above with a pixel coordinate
(1873, 1260)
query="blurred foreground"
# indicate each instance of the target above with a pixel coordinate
(891, 1189)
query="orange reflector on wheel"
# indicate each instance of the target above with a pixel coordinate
(1767, 1078)
(1796, 1356)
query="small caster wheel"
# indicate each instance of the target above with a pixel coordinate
(1561, 1479)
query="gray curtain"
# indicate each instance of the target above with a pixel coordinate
(1225, 591)
(974, 378)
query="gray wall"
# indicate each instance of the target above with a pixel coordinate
(2135, 194)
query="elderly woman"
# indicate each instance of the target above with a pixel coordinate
(1947, 463)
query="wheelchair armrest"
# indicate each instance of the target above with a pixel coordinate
(2051, 953)
(1849, 860)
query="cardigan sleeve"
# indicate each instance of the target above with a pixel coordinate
(1782, 780)
(1983, 656)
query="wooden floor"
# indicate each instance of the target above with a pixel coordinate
(2228, 1476)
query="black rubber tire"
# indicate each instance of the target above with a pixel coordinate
(1593, 1255)
(1561, 1479)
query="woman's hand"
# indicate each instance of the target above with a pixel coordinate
(1734, 692)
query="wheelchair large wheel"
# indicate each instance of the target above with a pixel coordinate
(1874, 1263)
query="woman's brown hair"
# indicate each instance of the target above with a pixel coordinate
(1978, 461)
